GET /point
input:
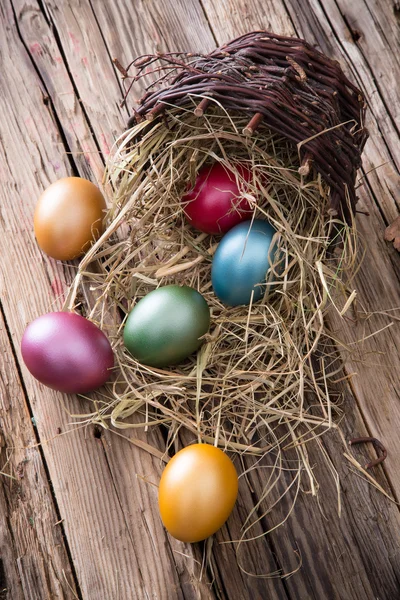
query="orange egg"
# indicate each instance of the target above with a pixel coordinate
(197, 492)
(69, 217)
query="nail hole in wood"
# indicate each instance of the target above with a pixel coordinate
(97, 431)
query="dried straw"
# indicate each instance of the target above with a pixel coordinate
(258, 363)
(263, 382)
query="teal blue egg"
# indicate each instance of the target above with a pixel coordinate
(167, 325)
(241, 262)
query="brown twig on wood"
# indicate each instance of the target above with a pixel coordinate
(120, 68)
(158, 109)
(377, 444)
(202, 107)
(253, 124)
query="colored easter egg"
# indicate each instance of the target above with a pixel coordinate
(66, 352)
(241, 262)
(166, 326)
(68, 217)
(197, 492)
(215, 203)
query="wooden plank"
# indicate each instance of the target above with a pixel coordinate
(113, 554)
(78, 40)
(231, 18)
(10, 584)
(43, 55)
(141, 28)
(179, 26)
(28, 529)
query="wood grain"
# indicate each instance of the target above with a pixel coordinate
(59, 91)
(31, 543)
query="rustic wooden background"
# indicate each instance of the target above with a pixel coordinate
(75, 520)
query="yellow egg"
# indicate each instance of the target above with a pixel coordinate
(197, 492)
(69, 217)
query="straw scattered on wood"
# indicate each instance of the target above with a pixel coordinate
(264, 381)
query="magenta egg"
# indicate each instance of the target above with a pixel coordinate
(215, 204)
(67, 352)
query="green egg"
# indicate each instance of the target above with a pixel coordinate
(165, 326)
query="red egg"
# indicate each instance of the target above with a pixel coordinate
(214, 204)
(67, 352)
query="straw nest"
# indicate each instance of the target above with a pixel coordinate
(262, 378)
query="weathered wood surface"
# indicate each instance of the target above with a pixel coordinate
(59, 115)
